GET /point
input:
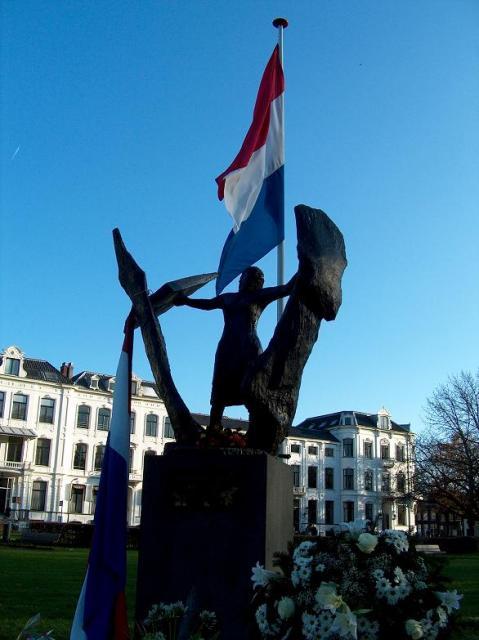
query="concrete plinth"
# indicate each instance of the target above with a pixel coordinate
(207, 517)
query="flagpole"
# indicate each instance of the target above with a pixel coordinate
(280, 24)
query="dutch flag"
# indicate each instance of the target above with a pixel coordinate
(253, 185)
(101, 608)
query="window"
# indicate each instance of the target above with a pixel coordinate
(47, 408)
(77, 498)
(296, 512)
(329, 452)
(295, 448)
(348, 511)
(99, 453)
(385, 451)
(401, 482)
(94, 382)
(383, 422)
(368, 450)
(151, 425)
(329, 512)
(369, 511)
(19, 407)
(79, 459)
(94, 496)
(402, 514)
(329, 478)
(168, 429)
(104, 416)
(83, 416)
(312, 511)
(132, 422)
(42, 455)
(368, 480)
(130, 460)
(12, 366)
(312, 477)
(39, 494)
(348, 421)
(14, 449)
(347, 448)
(400, 452)
(111, 385)
(2, 403)
(148, 452)
(296, 475)
(348, 479)
(134, 388)
(386, 482)
(313, 451)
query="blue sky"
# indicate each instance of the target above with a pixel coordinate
(122, 113)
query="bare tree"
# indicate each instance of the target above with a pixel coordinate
(448, 452)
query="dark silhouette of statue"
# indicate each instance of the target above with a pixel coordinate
(266, 382)
(239, 345)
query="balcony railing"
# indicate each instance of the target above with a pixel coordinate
(12, 466)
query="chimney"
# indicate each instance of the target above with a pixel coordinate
(67, 370)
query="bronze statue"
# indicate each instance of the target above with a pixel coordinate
(268, 382)
(239, 345)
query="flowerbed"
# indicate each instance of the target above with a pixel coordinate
(366, 587)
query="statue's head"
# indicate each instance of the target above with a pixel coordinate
(251, 279)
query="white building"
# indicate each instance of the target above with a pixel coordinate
(351, 465)
(53, 429)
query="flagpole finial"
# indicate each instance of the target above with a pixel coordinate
(280, 22)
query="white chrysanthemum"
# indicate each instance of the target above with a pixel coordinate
(345, 623)
(266, 627)
(304, 550)
(311, 627)
(414, 629)
(397, 539)
(261, 577)
(320, 567)
(449, 599)
(441, 617)
(367, 629)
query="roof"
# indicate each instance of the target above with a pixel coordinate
(18, 431)
(83, 379)
(329, 420)
(312, 433)
(43, 370)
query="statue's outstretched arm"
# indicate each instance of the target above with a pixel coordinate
(270, 294)
(205, 304)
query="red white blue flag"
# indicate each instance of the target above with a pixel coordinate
(101, 608)
(253, 185)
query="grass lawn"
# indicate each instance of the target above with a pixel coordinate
(49, 581)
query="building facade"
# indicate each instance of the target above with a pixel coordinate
(54, 425)
(351, 465)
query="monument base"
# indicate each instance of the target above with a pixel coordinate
(207, 517)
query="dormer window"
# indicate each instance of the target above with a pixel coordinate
(94, 382)
(111, 385)
(134, 388)
(384, 419)
(12, 366)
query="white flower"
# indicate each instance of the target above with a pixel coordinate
(414, 629)
(261, 577)
(304, 550)
(397, 539)
(367, 542)
(320, 567)
(286, 608)
(327, 598)
(353, 528)
(449, 599)
(345, 623)
(266, 628)
(367, 629)
(442, 617)
(311, 626)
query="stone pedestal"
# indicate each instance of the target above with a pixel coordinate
(207, 517)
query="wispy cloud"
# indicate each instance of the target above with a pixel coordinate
(14, 154)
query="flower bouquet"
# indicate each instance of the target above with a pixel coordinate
(357, 586)
(170, 621)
